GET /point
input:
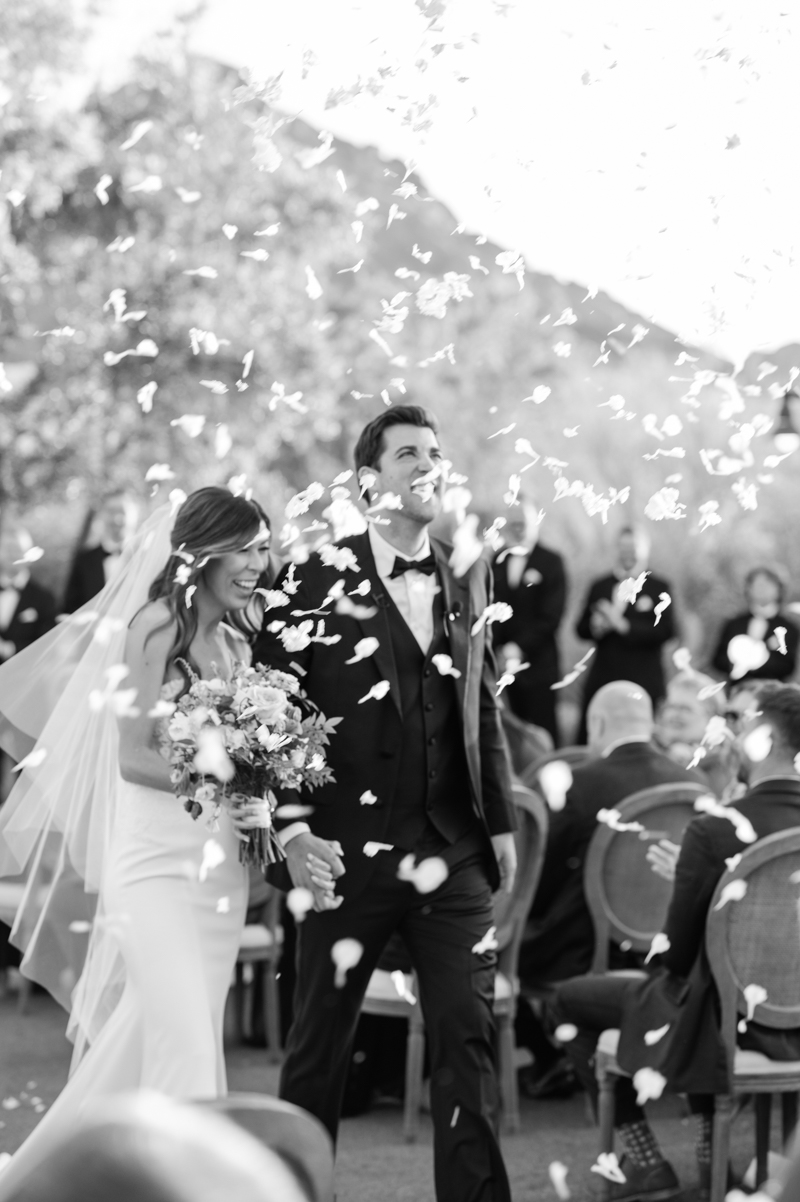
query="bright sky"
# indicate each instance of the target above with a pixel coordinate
(648, 148)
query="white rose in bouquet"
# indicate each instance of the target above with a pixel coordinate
(268, 703)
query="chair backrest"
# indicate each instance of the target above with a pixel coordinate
(297, 1137)
(526, 743)
(628, 901)
(755, 940)
(573, 756)
(511, 909)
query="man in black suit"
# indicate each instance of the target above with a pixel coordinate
(689, 1054)
(628, 635)
(27, 609)
(559, 936)
(765, 592)
(531, 579)
(95, 565)
(421, 774)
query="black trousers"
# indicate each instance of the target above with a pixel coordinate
(456, 985)
(594, 1004)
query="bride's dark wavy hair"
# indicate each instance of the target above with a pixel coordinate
(209, 523)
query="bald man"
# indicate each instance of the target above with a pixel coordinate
(559, 940)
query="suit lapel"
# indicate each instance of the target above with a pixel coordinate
(457, 617)
(378, 625)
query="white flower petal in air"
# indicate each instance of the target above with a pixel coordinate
(607, 1166)
(651, 1037)
(145, 396)
(371, 849)
(32, 760)
(313, 286)
(299, 902)
(566, 1032)
(138, 132)
(444, 665)
(754, 995)
(223, 905)
(498, 611)
(757, 743)
(188, 197)
(488, 943)
(426, 876)
(368, 798)
(191, 423)
(558, 1176)
(733, 891)
(80, 927)
(648, 1083)
(363, 648)
(207, 273)
(345, 954)
(32, 555)
(101, 188)
(399, 981)
(150, 183)
(377, 692)
(230, 231)
(212, 759)
(213, 856)
(660, 943)
(555, 781)
(746, 655)
(159, 471)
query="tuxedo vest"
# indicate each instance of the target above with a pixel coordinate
(433, 779)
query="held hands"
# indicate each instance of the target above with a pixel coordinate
(662, 858)
(316, 864)
(505, 850)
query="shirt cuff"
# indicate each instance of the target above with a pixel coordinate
(288, 833)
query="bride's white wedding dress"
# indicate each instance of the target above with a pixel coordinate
(175, 908)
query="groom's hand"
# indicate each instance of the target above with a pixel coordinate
(505, 850)
(315, 864)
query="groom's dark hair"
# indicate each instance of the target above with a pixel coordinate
(370, 445)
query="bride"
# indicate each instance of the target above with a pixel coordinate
(104, 846)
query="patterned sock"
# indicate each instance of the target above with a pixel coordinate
(640, 1144)
(702, 1137)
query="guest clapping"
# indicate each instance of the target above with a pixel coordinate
(99, 549)
(761, 642)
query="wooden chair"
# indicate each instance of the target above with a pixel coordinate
(756, 941)
(260, 946)
(574, 756)
(295, 1135)
(627, 900)
(526, 742)
(510, 914)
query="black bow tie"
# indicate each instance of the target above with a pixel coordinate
(426, 565)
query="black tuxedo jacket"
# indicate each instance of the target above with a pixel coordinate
(538, 605)
(364, 750)
(778, 666)
(681, 989)
(86, 578)
(34, 616)
(559, 938)
(636, 655)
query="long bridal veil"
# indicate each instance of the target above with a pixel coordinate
(59, 700)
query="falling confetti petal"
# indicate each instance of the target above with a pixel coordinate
(566, 1032)
(488, 943)
(558, 1176)
(649, 1084)
(733, 891)
(32, 760)
(363, 649)
(377, 692)
(660, 944)
(651, 1037)
(368, 798)
(345, 954)
(426, 876)
(299, 901)
(607, 1166)
(555, 781)
(371, 849)
(444, 665)
(137, 133)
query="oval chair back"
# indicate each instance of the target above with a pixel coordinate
(511, 909)
(628, 901)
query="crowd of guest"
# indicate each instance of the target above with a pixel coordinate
(640, 728)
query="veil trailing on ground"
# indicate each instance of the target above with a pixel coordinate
(58, 720)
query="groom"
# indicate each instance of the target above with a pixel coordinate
(420, 768)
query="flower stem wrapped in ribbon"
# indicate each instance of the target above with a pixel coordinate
(230, 743)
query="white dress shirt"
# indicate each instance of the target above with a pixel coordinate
(413, 592)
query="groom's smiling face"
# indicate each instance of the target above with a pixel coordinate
(409, 454)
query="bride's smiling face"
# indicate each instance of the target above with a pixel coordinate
(230, 578)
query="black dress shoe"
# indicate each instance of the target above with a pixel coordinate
(558, 1081)
(650, 1184)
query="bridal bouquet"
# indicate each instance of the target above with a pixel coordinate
(230, 743)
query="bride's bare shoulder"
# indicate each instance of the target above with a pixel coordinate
(153, 619)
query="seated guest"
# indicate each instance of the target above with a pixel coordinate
(629, 637)
(684, 715)
(531, 579)
(689, 1054)
(97, 558)
(559, 936)
(773, 656)
(27, 609)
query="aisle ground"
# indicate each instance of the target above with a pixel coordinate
(374, 1164)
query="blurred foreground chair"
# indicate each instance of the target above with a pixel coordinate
(395, 994)
(526, 743)
(144, 1147)
(260, 948)
(295, 1135)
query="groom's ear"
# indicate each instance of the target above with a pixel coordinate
(367, 476)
